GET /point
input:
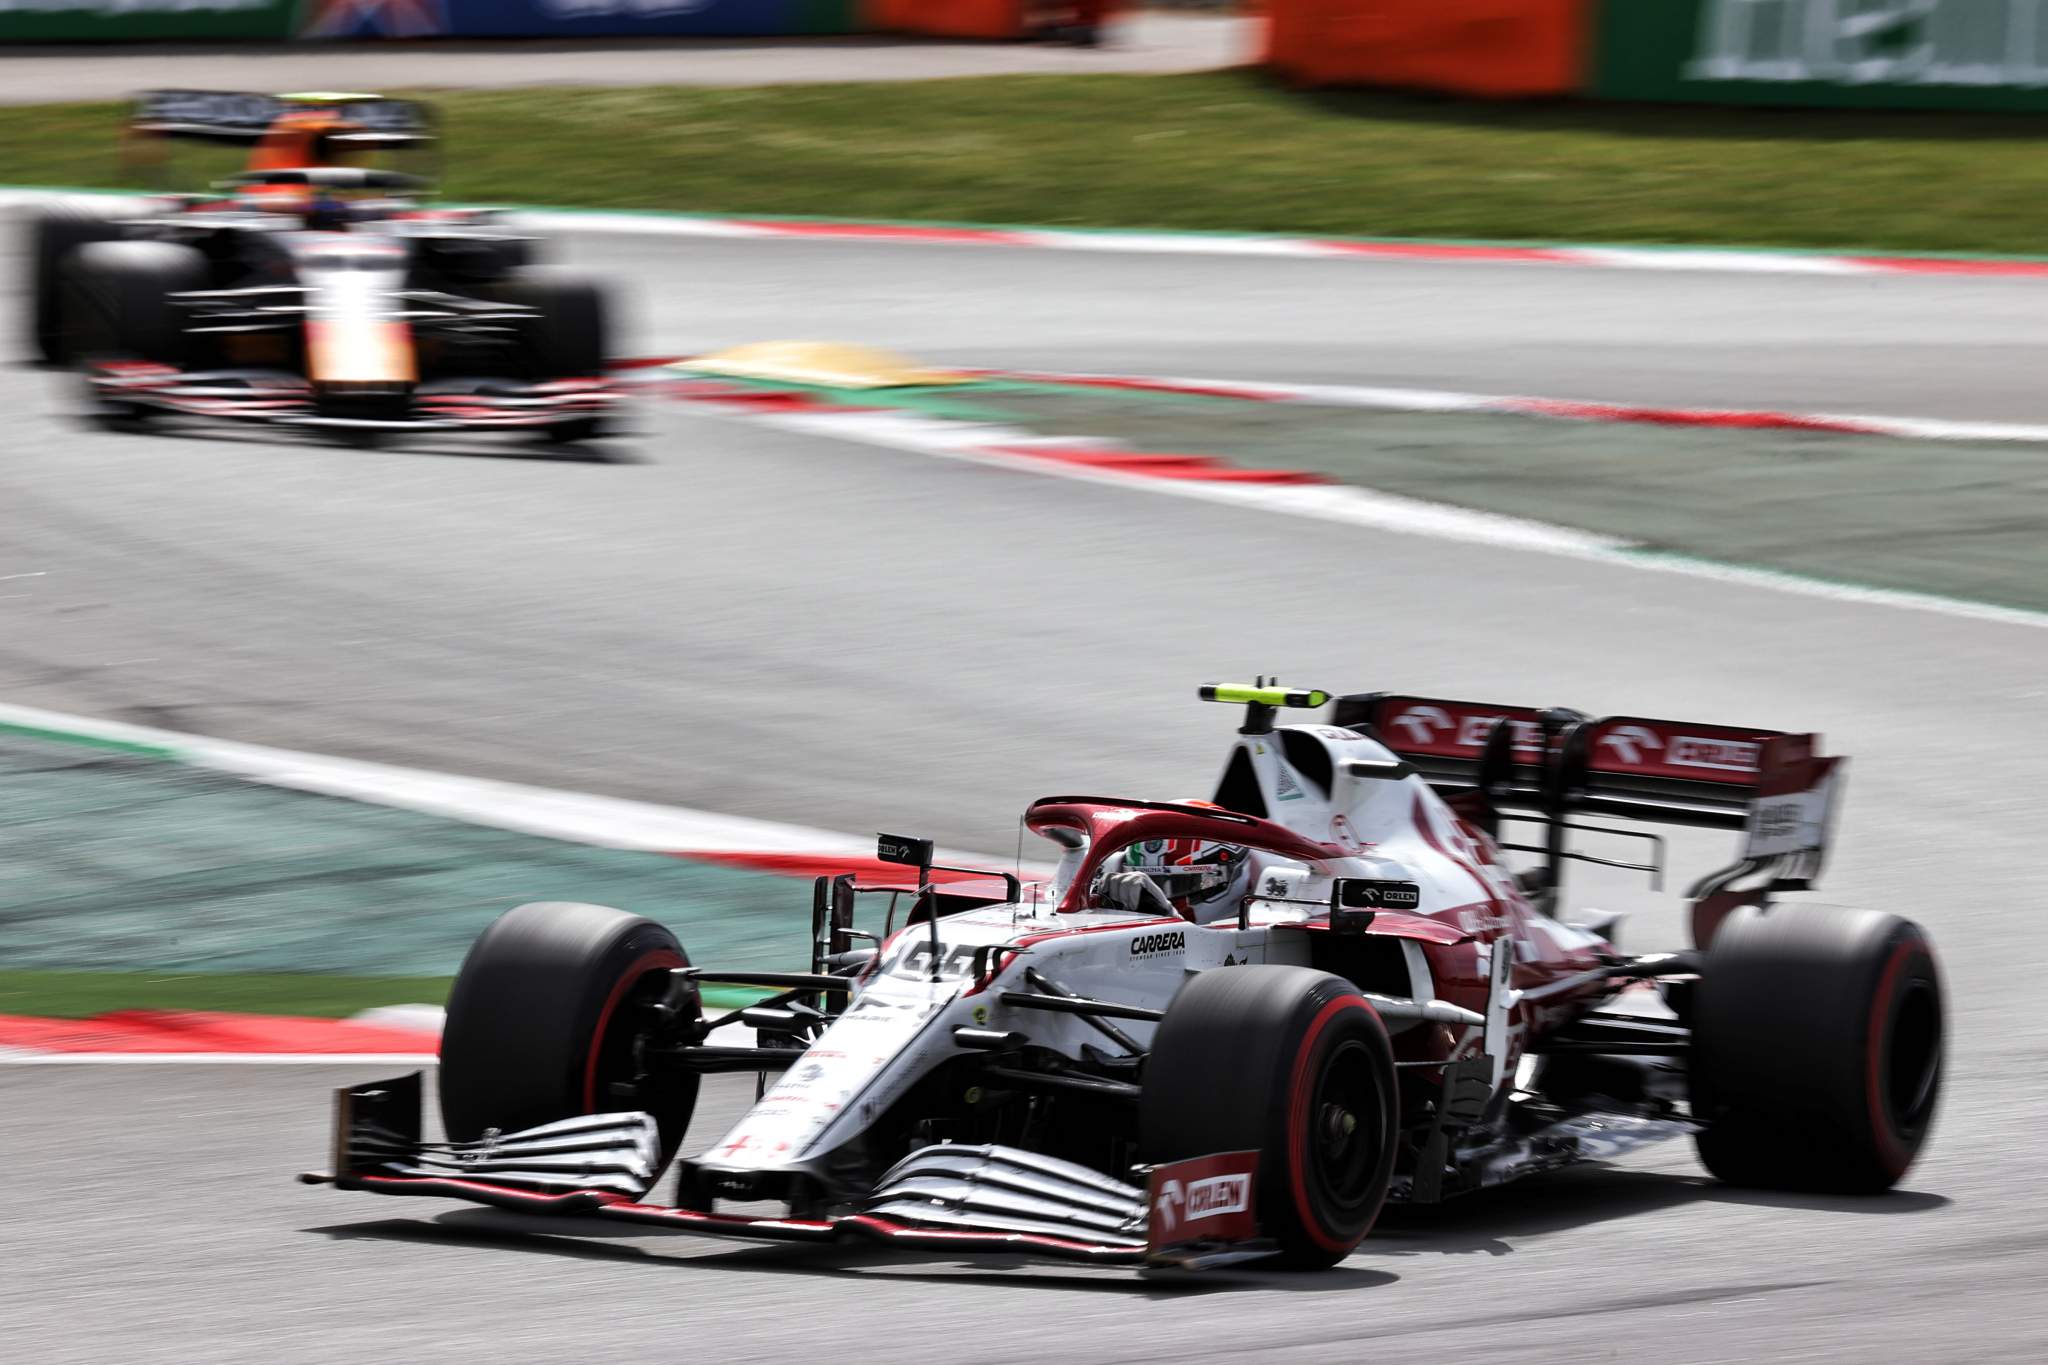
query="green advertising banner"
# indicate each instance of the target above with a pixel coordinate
(128, 21)
(1850, 54)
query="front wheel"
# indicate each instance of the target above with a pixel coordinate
(121, 304)
(551, 1017)
(1817, 1049)
(54, 233)
(568, 335)
(1295, 1065)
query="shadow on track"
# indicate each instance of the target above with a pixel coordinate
(1488, 1222)
(582, 1239)
(606, 452)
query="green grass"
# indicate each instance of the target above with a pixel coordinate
(80, 995)
(1228, 150)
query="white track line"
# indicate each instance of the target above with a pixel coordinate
(1197, 243)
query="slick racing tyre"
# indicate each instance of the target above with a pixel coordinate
(54, 233)
(1817, 1049)
(569, 335)
(118, 300)
(1295, 1065)
(548, 1019)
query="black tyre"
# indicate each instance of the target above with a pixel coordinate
(118, 301)
(570, 336)
(54, 233)
(575, 431)
(1818, 1040)
(1293, 1064)
(547, 1019)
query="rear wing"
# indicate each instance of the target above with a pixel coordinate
(1549, 764)
(228, 116)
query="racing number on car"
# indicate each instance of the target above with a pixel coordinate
(915, 959)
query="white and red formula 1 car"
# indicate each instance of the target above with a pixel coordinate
(1386, 1011)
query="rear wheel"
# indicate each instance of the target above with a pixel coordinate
(550, 1018)
(1295, 1065)
(1817, 1049)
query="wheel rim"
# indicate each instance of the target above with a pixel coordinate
(1346, 1134)
(617, 1075)
(1913, 1068)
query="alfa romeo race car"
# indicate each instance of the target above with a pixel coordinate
(1077, 1069)
(311, 290)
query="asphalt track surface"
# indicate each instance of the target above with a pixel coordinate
(1155, 43)
(772, 625)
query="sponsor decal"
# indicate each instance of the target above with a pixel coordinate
(1778, 819)
(1793, 821)
(1429, 728)
(1628, 742)
(374, 19)
(1652, 750)
(1726, 755)
(1367, 893)
(1207, 1199)
(1158, 945)
(1286, 788)
(613, 9)
(1873, 42)
(1421, 724)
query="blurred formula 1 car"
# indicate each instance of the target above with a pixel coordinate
(1377, 1009)
(313, 291)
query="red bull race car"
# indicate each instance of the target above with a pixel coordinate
(314, 288)
(1223, 1029)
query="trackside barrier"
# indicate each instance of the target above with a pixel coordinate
(986, 18)
(144, 21)
(111, 21)
(1961, 55)
(1965, 55)
(1488, 48)
(25, 21)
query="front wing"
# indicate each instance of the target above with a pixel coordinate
(280, 399)
(944, 1198)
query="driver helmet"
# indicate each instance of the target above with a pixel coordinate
(1202, 877)
(327, 212)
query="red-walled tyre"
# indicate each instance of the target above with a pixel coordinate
(1293, 1064)
(547, 1020)
(1818, 1040)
